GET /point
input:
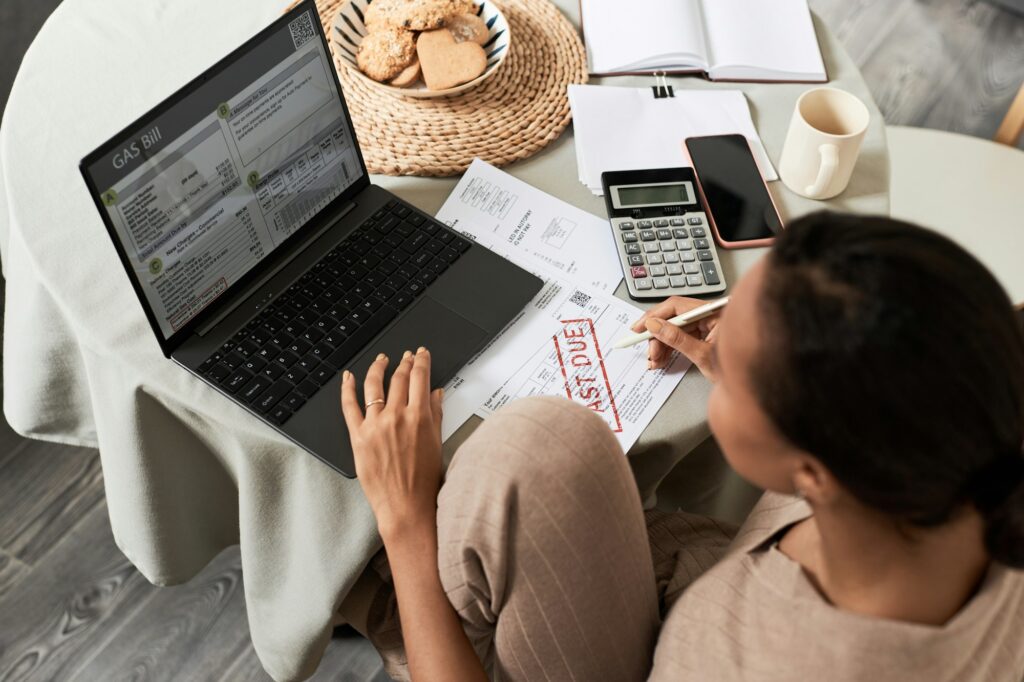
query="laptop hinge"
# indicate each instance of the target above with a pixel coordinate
(205, 329)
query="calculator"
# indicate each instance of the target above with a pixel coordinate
(662, 236)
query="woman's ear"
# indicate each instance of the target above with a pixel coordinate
(814, 482)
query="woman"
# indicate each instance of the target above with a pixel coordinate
(868, 374)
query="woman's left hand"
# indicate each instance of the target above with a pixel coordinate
(397, 443)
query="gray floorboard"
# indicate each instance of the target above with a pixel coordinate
(66, 610)
(948, 64)
(73, 608)
(9, 440)
(161, 636)
(44, 490)
(987, 80)
(86, 614)
(861, 25)
(12, 572)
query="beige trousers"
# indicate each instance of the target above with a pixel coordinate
(543, 552)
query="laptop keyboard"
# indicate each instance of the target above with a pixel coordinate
(284, 355)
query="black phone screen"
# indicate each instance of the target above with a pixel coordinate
(733, 187)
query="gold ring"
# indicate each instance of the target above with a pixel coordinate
(378, 401)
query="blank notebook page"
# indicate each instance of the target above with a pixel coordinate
(630, 35)
(758, 38)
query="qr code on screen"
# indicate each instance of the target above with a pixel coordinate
(579, 298)
(302, 29)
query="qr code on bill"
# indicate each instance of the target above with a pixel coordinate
(302, 29)
(579, 298)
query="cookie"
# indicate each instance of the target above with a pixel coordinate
(446, 63)
(414, 15)
(378, 14)
(468, 28)
(464, 7)
(386, 53)
(410, 75)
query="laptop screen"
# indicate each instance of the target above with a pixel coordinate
(227, 169)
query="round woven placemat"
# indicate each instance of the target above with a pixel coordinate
(514, 114)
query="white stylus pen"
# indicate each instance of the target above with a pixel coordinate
(687, 318)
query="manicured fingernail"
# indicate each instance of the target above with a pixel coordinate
(421, 349)
(408, 354)
(381, 356)
(345, 375)
(654, 325)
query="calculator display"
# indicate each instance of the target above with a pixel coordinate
(654, 195)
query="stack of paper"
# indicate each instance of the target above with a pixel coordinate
(628, 129)
(561, 344)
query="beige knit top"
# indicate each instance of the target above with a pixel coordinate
(754, 615)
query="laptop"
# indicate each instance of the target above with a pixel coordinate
(264, 258)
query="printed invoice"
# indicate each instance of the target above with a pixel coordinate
(559, 345)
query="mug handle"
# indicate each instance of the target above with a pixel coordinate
(829, 162)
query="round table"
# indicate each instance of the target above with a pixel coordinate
(681, 424)
(187, 472)
(986, 219)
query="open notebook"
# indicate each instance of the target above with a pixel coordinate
(743, 40)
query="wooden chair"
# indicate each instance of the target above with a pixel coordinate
(1013, 124)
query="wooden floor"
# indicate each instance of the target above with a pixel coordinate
(947, 64)
(73, 608)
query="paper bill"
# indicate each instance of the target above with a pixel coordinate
(560, 344)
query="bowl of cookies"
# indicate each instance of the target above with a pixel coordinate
(421, 48)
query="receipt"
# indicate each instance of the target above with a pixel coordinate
(530, 227)
(560, 344)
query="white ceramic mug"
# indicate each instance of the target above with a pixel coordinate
(823, 142)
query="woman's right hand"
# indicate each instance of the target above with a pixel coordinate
(694, 341)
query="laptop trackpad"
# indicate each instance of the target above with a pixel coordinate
(450, 338)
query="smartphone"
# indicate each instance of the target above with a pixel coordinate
(742, 213)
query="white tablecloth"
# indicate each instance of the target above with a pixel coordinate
(187, 472)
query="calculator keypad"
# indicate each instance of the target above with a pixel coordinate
(668, 256)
